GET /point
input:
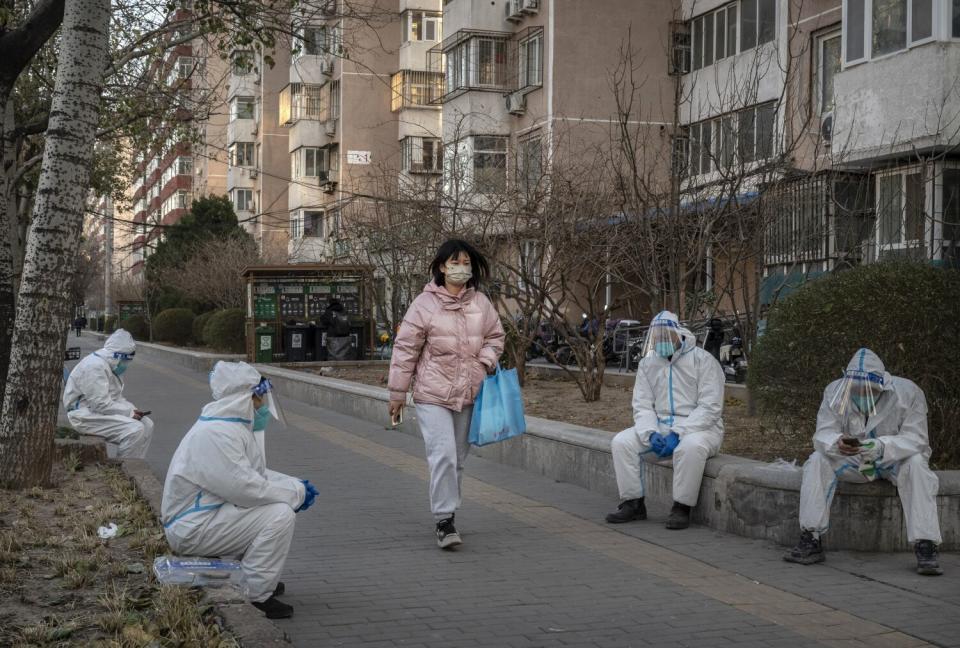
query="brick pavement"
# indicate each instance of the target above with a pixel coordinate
(539, 567)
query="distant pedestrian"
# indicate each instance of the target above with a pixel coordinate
(450, 339)
(714, 338)
(78, 325)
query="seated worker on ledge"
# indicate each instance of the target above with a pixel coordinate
(871, 425)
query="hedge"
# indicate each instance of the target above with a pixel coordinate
(198, 325)
(174, 325)
(225, 331)
(908, 313)
(137, 326)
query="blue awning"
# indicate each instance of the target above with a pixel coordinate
(781, 284)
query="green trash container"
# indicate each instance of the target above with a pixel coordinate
(264, 340)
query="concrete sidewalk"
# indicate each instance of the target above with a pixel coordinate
(538, 567)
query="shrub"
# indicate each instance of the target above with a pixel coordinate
(137, 326)
(908, 313)
(198, 325)
(174, 325)
(110, 324)
(225, 331)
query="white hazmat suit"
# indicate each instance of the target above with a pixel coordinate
(219, 499)
(900, 424)
(683, 394)
(93, 398)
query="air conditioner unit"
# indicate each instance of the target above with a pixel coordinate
(530, 6)
(328, 186)
(330, 127)
(326, 65)
(516, 103)
(513, 11)
(826, 127)
(254, 173)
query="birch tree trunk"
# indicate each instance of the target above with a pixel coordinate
(35, 374)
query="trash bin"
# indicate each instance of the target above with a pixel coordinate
(295, 342)
(320, 343)
(264, 340)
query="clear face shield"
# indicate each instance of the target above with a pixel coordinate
(663, 338)
(858, 393)
(123, 361)
(268, 395)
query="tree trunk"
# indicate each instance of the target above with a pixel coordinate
(7, 234)
(35, 373)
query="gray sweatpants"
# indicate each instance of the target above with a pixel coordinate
(445, 437)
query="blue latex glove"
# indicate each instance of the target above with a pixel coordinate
(309, 496)
(657, 443)
(670, 444)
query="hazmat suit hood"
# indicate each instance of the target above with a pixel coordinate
(865, 360)
(232, 385)
(121, 342)
(667, 321)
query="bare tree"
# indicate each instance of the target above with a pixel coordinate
(212, 274)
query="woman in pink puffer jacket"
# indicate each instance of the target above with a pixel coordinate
(450, 339)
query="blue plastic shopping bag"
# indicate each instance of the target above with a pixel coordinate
(498, 410)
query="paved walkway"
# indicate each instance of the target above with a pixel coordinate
(539, 568)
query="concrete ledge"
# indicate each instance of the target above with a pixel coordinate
(246, 622)
(88, 449)
(740, 496)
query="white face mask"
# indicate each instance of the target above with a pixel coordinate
(458, 275)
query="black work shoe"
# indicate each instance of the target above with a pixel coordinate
(807, 551)
(275, 608)
(928, 563)
(628, 511)
(280, 589)
(447, 536)
(679, 516)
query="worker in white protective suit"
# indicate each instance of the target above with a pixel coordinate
(94, 398)
(677, 409)
(219, 498)
(871, 425)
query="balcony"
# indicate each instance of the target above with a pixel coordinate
(472, 60)
(304, 101)
(415, 89)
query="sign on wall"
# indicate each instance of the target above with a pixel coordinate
(358, 157)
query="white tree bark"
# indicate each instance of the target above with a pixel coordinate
(35, 374)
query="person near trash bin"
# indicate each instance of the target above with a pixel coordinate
(93, 398)
(677, 412)
(450, 339)
(714, 338)
(78, 325)
(335, 322)
(871, 425)
(219, 498)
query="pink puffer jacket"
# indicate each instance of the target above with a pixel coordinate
(445, 346)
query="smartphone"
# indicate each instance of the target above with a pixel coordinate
(397, 419)
(850, 441)
(147, 413)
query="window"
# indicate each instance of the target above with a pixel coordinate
(766, 125)
(530, 265)
(243, 199)
(313, 41)
(421, 26)
(708, 40)
(717, 144)
(242, 63)
(333, 89)
(313, 224)
(477, 62)
(681, 152)
(921, 20)
(184, 67)
(951, 205)
(900, 208)
(697, 43)
(241, 154)
(714, 35)
(491, 57)
(296, 225)
(184, 165)
(889, 26)
(827, 53)
(853, 24)
(956, 19)
(758, 23)
(242, 108)
(680, 56)
(489, 163)
(531, 61)
(531, 162)
(422, 154)
(310, 162)
(415, 88)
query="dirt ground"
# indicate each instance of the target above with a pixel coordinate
(61, 585)
(560, 400)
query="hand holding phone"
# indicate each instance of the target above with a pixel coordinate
(396, 413)
(849, 446)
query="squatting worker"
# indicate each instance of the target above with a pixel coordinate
(871, 425)
(219, 498)
(677, 409)
(94, 398)
(450, 339)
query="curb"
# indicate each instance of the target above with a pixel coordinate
(240, 617)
